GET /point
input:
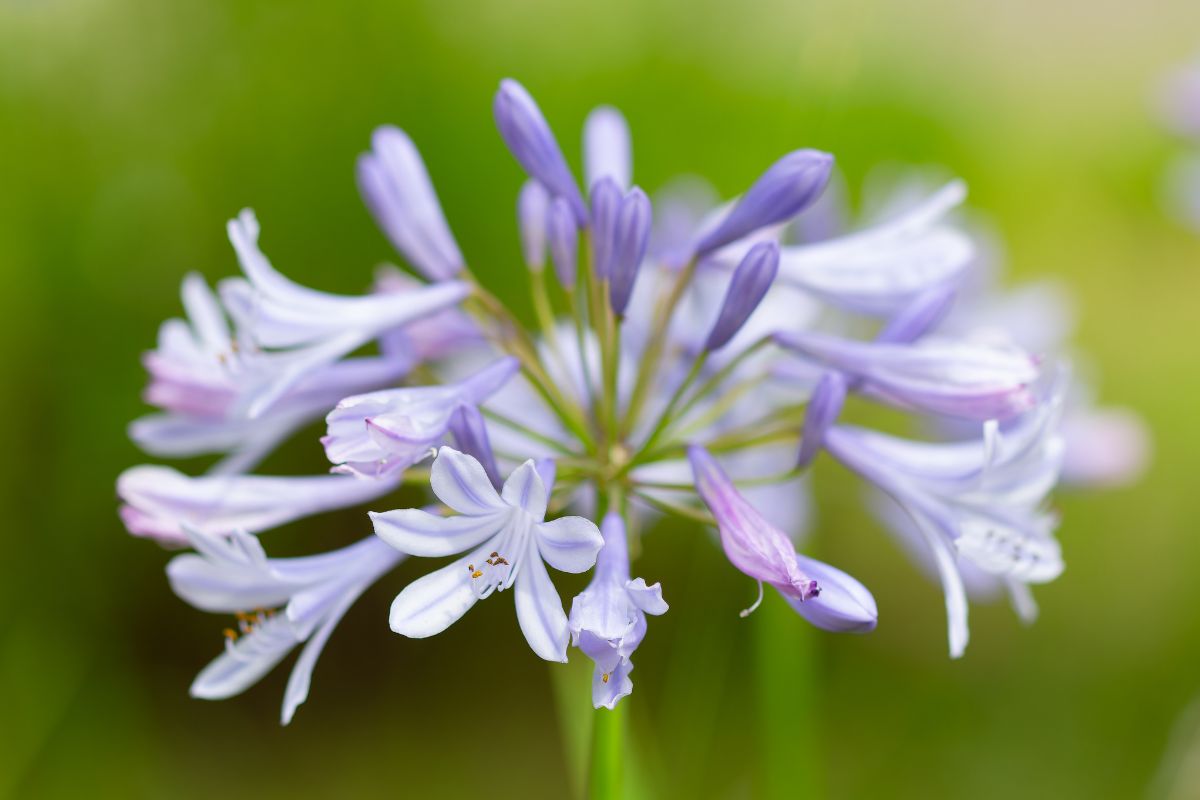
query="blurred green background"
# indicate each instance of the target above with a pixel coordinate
(130, 130)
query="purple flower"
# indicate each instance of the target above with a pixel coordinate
(383, 433)
(396, 188)
(606, 148)
(204, 381)
(608, 619)
(882, 269)
(279, 602)
(747, 288)
(507, 540)
(161, 502)
(979, 501)
(789, 186)
(979, 382)
(564, 242)
(606, 208)
(630, 237)
(313, 328)
(760, 550)
(532, 143)
(533, 212)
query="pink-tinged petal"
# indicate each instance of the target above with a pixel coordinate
(539, 608)
(569, 544)
(461, 483)
(429, 605)
(420, 533)
(648, 598)
(1105, 447)
(524, 490)
(752, 544)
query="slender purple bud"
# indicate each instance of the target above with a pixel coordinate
(790, 185)
(606, 206)
(823, 409)
(629, 248)
(547, 469)
(471, 436)
(532, 143)
(918, 317)
(564, 242)
(606, 150)
(751, 280)
(533, 208)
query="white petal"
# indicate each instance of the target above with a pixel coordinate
(524, 489)
(460, 482)
(648, 598)
(569, 544)
(429, 605)
(952, 586)
(420, 533)
(539, 609)
(301, 677)
(246, 661)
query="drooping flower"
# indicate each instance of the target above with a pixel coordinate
(161, 503)
(824, 595)
(509, 545)
(977, 501)
(280, 603)
(608, 619)
(382, 433)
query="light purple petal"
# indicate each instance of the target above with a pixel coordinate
(606, 148)
(429, 605)
(569, 544)
(420, 533)
(524, 490)
(460, 482)
(539, 609)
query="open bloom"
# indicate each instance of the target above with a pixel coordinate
(979, 502)
(509, 545)
(279, 603)
(608, 619)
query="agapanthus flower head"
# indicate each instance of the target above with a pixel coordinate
(681, 365)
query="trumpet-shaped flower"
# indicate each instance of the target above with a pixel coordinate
(280, 603)
(608, 619)
(162, 503)
(507, 545)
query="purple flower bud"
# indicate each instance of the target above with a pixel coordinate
(919, 317)
(606, 150)
(790, 185)
(531, 141)
(629, 247)
(606, 206)
(396, 188)
(533, 208)
(823, 409)
(471, 436)
(747, 288)
(564, 242)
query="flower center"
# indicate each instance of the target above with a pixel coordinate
(247, 623)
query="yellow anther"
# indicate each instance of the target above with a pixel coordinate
(477, 573)
(604, 678)
(230, 634)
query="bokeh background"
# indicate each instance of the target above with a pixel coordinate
(131, 129)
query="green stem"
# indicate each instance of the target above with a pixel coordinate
(667, 417)
(525, 430)
(607, 778)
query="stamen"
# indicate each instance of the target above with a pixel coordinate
(604, 678)
(745, 612)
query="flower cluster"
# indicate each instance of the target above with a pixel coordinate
(689, 358)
